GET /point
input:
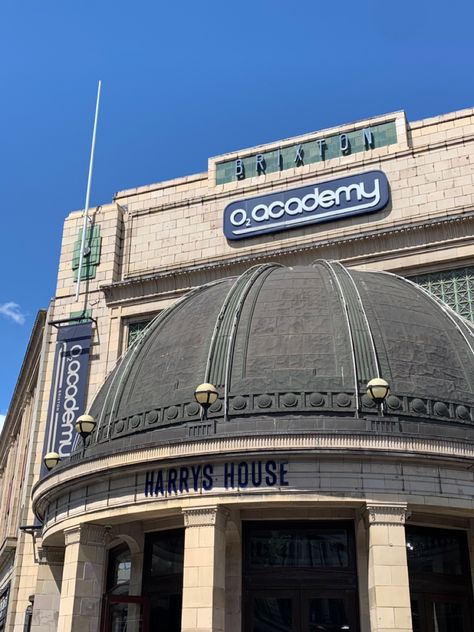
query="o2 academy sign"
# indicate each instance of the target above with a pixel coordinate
(336, 199)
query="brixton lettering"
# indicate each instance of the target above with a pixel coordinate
(344, 197)
(316, 148)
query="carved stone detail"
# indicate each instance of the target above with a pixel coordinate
(381, 513)
(91, 534)
(252, 403)
(51, 555)
(213, 516)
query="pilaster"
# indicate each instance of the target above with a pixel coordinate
(389, 590)
(83, 578)
(48, 589)
(204, 569)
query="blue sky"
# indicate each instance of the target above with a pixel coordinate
(183, 81)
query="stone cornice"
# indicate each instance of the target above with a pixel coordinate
(381, 513)
(152, 284)
(338, 165)
(334, 444)
(8, 546)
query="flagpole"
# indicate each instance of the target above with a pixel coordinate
(88, 192)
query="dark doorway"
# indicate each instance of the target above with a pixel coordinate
(440, 582)
(163, 579)
(299, 577)
(122, 612)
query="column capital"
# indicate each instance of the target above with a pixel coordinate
(51, 555)
(385, 513)
(94, 534)
(211, 516)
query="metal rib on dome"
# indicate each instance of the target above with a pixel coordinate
(366, 356)
(223, 339)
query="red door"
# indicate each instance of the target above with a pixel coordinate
(124, 613)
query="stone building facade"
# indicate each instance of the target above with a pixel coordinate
(295, 503)
(17, 441)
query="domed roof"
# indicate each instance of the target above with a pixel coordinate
(287, 343)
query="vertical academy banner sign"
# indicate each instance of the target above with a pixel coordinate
(66, 402)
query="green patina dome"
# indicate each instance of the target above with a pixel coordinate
(287, 347)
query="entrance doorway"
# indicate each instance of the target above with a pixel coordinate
(163, 579)
(440, 580)
(123, 613)
(299, 577)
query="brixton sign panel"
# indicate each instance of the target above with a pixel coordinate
(323, 202)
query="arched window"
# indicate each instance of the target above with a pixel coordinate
(119, 570)
(122, 612)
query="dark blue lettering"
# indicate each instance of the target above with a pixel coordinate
(344, 143)
(159, 487)
(196, 472)
(256, 473)
(228, 475)
(368, 138)
(239, 169)
(283, 473)
(322, 147)
(207, 481)
(149, 480)
(270, 469)
(172, 476)
(183, 479)
(260, 164)
(243, 474)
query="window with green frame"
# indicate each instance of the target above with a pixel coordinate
(453, 287)
(135, 330)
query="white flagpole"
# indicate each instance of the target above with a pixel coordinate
(88, 192)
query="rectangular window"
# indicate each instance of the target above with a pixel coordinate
(136, 329)
(295, 547)
(440, 582)
(453, 287)
(4, 594)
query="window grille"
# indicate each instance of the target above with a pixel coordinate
(135, 329)
(453, 287)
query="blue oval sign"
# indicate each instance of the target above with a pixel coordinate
(312, 204)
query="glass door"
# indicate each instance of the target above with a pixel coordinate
(331, 611)
(123, 613)
(299, 577)
(437, 613)
(273, 611)
(440, 580)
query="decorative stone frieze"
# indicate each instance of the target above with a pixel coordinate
(279, 403)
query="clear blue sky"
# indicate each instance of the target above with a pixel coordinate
(183, 81)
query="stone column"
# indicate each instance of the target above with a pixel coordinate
(389, 591)
(204, 570)
(48, 589)
(83, 579)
